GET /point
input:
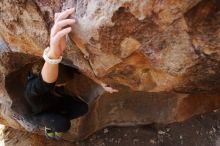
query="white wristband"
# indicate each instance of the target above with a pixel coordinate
(48, 60)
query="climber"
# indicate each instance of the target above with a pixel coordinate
(52, 108)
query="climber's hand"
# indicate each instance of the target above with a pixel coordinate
(62, 26)
(108, 88)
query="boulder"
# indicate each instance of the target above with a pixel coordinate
(162, 55)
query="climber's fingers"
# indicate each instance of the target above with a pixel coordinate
(61, 34)
(56, 15)
(108, 88)
(60, 25)
(64, 14)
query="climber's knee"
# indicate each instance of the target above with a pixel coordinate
(79, 109)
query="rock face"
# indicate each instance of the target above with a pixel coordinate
(11, 137)
(162, 55)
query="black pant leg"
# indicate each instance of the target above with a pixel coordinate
(55, 121)
(71, 107)
(58, 117)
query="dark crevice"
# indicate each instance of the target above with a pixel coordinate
(75, 84)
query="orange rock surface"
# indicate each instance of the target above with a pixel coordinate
(162, 55)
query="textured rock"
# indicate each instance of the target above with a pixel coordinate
(162, 55)
(11, 137)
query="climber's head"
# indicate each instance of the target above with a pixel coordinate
(36, 68)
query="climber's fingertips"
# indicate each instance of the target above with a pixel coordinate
(65, 14)
(115, 90)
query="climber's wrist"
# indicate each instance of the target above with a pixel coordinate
(52, 55)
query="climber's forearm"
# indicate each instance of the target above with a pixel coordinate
(50, 71)
(61, 28)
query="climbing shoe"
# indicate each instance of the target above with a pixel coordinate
(49, 133)
(53, 135)
(58, 135)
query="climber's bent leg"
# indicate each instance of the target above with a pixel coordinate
(54, 121)
(72, 108)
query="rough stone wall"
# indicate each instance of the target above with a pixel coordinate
(162, 56)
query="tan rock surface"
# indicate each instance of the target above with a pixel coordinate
(162, 56)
